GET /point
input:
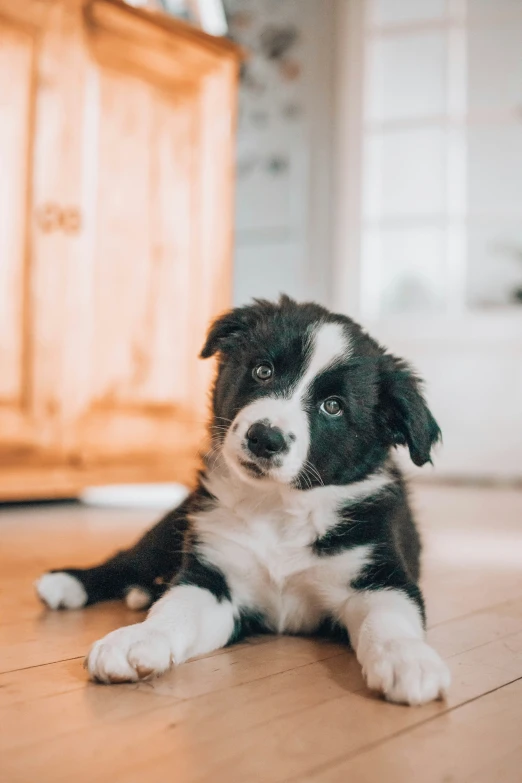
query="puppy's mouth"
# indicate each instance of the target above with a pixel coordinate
(252, 457)
(253, 469)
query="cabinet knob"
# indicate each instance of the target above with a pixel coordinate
(71, 221)
(48, 217)
(51, 217)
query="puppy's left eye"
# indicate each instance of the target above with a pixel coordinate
(332, 407)
(263, 372)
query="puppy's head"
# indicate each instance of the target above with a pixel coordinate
(304, 397)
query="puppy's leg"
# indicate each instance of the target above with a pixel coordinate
(386, 630)
(72, 588)
(188, 620)
(136, 574)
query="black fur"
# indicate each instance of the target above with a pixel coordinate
(383, 408)
(197, 572)
(247, 624)
(386, 522)
(152, 563)
(384, 405)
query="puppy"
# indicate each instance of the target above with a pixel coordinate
(300, 521)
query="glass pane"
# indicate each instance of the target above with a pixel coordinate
(407, 76)
(404, 270)
(495, 67)
(400, 11)
(404, 173)
(495, 169)
(494, 263)
(491, 8)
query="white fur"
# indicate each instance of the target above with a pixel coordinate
(260, 534)
(386, 631)
(61, 591)
(129, 654)
(329, 346)
(137, 598)
(185, 622)
(260, 538)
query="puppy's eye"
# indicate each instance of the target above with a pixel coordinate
(332, 407)
(263, 372)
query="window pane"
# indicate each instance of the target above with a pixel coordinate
(404, 270)
(495, 67)
(491, 8)
(407, 76)
(494, 263)
(495, 169)
(400, 11)
(404, 173)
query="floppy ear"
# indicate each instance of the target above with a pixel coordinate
(406, 416)
(223, 331)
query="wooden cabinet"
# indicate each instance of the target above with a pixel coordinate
(116, 159)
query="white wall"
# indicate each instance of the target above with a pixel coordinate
(284, 148)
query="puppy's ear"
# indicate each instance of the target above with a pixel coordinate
(406, 417)
(223, 331)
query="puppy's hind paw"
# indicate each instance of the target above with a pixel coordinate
(61, 590)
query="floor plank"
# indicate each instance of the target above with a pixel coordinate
(475, 742)
(270, 709)
(233, 728)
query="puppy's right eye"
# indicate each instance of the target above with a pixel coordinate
(332, 407)
(262, 373)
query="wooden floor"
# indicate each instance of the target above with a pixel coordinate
(273, 709)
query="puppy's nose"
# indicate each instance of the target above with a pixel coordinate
(265, 441)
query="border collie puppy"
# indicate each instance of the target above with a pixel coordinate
(300, 521)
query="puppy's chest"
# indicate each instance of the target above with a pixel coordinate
(272, 546)
(270, 565)
(268, 562)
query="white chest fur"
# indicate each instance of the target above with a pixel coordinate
(261, 540)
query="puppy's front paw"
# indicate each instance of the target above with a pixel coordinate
(61, 590)
(129, 654)
(406, 671)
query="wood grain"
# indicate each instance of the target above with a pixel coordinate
(117, 201)
(472, 744)
(271, 709)
(17, 87)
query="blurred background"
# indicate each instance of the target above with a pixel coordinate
(374, 148)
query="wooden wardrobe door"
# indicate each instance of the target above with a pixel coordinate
(16, 104)
(116, 149)
(157, 260)
(34, 153)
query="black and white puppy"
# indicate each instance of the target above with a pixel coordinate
(300, 521)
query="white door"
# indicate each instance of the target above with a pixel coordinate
(429, 217)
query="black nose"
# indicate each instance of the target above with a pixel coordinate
(265, 441)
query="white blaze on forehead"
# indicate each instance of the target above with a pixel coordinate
(329, 345)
